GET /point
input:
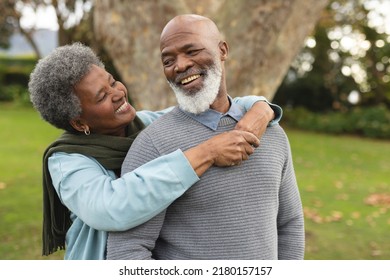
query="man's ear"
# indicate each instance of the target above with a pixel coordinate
(224, 50)
(79, 125)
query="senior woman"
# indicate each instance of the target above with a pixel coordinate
(83, 195)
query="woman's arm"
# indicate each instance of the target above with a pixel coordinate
(260, 114)
(105, 202)
(247, 102)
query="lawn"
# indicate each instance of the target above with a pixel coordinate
(344, 183)
(345, 189)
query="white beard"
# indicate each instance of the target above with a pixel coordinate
(198, 102)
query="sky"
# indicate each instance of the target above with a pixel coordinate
(46, 17)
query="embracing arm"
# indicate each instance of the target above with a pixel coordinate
(258, 115)
(106, 203)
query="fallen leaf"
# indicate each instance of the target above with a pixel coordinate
(378, 199)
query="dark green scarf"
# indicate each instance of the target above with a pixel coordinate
(109, 151)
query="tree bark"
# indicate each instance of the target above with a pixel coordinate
(264, 37)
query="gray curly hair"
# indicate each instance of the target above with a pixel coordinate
(53, 79)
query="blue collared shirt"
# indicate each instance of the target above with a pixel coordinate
(211, 118)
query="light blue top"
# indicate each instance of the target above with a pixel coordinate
(101, 202)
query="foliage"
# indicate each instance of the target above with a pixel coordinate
(70, 14)
(14, 76)
(22, 65)
(343, 183)
(373, 122)
(348, 53)
(11, 21)
(15, 93)
(6, 26)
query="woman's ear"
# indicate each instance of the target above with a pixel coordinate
(224, 50)
(79, 125)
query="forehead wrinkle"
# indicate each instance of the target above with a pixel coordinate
(165, 41)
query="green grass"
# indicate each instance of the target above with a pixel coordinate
(23, 138)
(335, 175)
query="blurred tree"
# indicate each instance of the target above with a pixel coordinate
(348, 58)
(70, 15)
(264, 36)
(10, 15)
(6, 26)
(73, 18)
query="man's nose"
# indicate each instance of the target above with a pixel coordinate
(182, 64)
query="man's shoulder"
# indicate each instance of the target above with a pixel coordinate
(275, 129)
(275, 134)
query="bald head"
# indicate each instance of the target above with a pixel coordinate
(190, 24)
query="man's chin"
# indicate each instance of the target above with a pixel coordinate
(193, 104)
(190, 92)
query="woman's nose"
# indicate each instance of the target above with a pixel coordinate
(117, 94)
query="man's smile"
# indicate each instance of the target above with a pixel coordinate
(189, 79)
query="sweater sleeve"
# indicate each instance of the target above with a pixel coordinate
(136, 243)
(107, 203)
(291, 235)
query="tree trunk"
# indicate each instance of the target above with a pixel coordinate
(264, 37)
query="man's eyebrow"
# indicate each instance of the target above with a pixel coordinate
(109, 76)
(184, 47)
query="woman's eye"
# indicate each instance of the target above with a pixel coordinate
(102, 97)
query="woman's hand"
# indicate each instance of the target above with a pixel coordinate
(256, 119)
(226, 149)
(231, 148)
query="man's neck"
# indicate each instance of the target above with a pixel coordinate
(221, 103)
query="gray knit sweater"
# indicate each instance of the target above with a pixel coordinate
(249, 211)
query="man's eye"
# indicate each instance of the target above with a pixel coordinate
(113, 83)
(167, 62)
(193, 52)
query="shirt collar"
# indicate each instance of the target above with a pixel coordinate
(211, 118)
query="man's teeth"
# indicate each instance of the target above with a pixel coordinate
(122, 107)
(189, 79)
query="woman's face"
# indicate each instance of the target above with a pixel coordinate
(105, 109)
